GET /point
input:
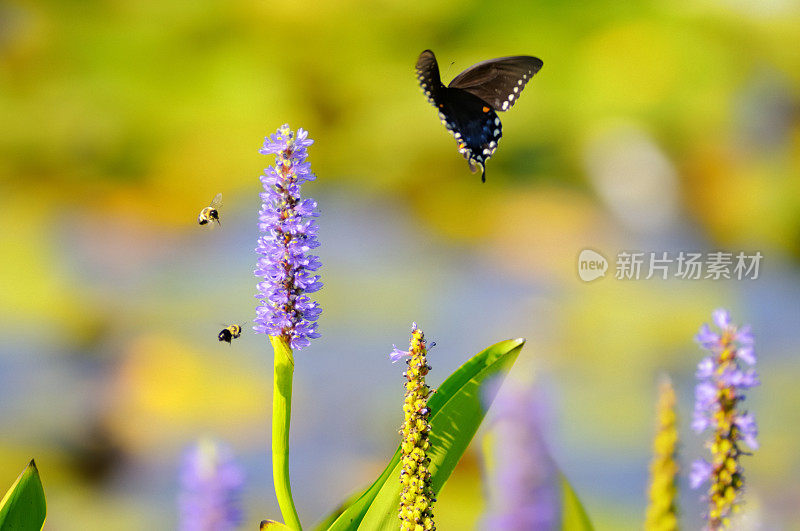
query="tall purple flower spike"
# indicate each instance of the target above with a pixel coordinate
(211, 485)
(290, 232)
(522, 483)
(723, 376)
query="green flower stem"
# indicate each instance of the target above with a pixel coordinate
(281, 416)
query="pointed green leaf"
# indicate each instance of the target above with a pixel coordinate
(573, 515)
(457, 410)
(272, 525)
(23, 507)
(336, 513)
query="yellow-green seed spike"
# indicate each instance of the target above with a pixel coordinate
(662, 508)
(416, 498)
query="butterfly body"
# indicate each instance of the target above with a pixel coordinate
(475, 126)
(468, 105)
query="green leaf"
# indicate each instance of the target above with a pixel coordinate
(23, 507)
(272, 525)
(573, 515)
(457, 410)
(336, 513)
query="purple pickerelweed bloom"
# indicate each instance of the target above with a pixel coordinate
(723, 376)
(521, 477)
(286, 219)
(211, 483)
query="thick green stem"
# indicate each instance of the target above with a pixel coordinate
(281, 416)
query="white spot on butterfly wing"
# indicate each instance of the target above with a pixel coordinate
(505, 105)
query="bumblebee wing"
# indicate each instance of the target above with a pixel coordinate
(217, 201)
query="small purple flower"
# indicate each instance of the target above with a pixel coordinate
(747, 355)
(722, 381)
(705, 395)
(737, 378)
(701, 471)
(705, 368)
(748, 430)
(706, 337)
(744, 336)
(721, 318)
(397, 354)
(290, 232)
(211, 483)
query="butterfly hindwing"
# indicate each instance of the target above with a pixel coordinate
(475, 126)
(467, 106)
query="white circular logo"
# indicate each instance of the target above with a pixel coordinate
(591, 265)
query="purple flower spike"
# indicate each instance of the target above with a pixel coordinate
(211, 483)
(722, 380)
(290, 232)
(521, 477)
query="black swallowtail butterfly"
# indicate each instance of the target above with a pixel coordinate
(467, 105)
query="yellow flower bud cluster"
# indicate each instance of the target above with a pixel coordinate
(416, 496)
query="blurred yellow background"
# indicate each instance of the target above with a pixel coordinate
(654, 126)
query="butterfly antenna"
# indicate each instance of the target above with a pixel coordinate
(447, 74)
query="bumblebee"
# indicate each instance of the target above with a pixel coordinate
(230, 333)
(211, 212)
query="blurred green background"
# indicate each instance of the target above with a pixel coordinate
(653, 126)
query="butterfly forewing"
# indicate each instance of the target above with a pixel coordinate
(498, 82)
(428, 75)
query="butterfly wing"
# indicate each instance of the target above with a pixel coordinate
(428, 76)
(470, 120)
(498, 82)
(474, 125)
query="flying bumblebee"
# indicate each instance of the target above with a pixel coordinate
(230, 333)
(211, 212)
